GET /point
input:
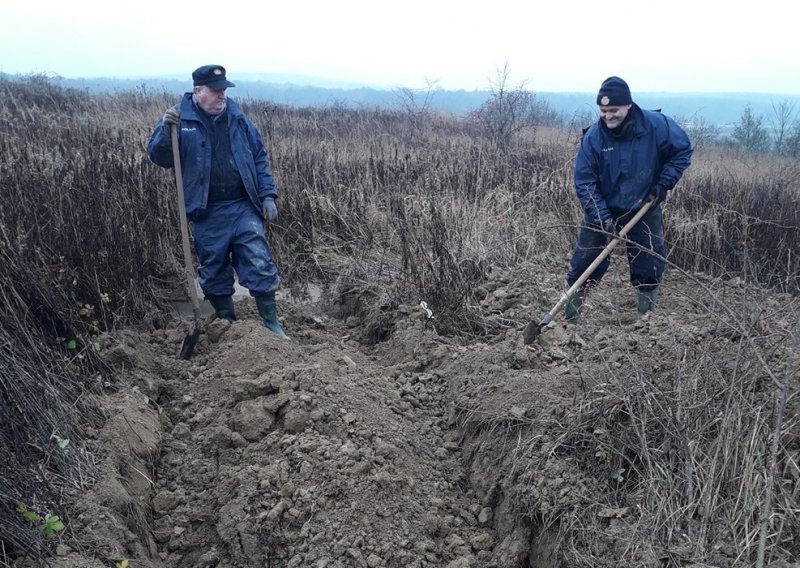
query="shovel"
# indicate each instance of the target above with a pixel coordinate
(191, 339)
(533, 329)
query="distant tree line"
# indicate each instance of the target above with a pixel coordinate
(764, 126)
(777, 133)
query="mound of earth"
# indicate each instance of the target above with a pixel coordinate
(329, 451)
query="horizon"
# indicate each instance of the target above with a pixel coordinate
(322, 82)
(720, 109)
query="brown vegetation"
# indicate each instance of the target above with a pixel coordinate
(385, 209)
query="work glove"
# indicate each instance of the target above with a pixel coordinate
(172, 117)
(269, 209)
(610, 227)
(659, 192)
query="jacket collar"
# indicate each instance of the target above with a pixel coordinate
(631, 127)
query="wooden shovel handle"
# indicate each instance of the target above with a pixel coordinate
(600, 258)
(187, 250)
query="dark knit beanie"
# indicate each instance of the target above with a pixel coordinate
(614, 92)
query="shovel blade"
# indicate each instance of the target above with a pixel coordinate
(188, 344)
(532, 331)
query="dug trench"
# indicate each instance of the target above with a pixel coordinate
(334, 450)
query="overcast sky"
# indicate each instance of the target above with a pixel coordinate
(549, 45)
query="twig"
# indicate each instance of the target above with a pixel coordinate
(773, 459)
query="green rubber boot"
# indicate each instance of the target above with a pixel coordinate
(268, 310)
(647, 301)
(223, 305)
(573, 308)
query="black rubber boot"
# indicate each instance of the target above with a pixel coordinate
(647, 301)
(223, 305)
(268, 310)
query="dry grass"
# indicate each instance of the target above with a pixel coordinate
(739, 214)
(386, 208)
(681, 437)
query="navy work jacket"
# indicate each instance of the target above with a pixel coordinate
(614, 176)
(247, 147)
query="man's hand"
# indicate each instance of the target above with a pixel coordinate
(659, 193)
(610, 227)
(172, 117)
(269, 209)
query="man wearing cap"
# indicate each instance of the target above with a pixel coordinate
(628, 157)
(229, 192)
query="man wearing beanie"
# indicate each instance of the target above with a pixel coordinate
(627, 158)
(229, 192)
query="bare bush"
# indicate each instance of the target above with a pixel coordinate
(701, 132)
(509, 110)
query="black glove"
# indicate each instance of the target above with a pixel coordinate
(659, 192)
(269, 209)
(172, 117)
(610, 227)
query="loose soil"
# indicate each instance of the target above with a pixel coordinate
(331, 450)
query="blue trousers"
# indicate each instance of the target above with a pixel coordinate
(230, 236)
(647, 235)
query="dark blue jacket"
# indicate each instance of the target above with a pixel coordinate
(614, 176)
(247, 146)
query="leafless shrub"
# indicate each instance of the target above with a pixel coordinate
(701, 131)
(510, 110)
(416, 104)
